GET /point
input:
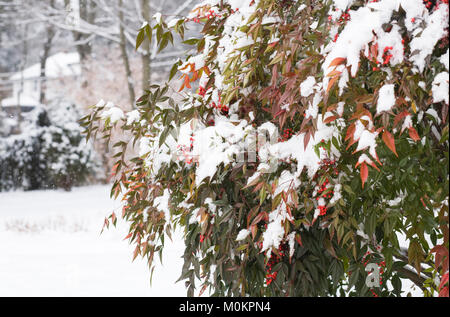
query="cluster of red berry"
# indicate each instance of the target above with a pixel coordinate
(287, 133)
(324, 191)
(274, 259)
(222, 108)
(201, 91)
(211, 14)
(345, 16)
(430, 4)
(386, 54)
(328, 194)
(328, 165)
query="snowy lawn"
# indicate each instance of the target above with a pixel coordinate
(50, 245)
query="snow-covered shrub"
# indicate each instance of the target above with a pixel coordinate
(48, 153)
(339, 184)
(7, 124)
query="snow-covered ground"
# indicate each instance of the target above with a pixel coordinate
(50, 245)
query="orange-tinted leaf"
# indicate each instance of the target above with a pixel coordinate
(194, 76)
(329, 119)
(332, 107)
(334, 73)
(364, 173)
(413, 134)
(182, 87)
(337, 61)
(388, 139)
(206, 70)
(186, 82)
(332, 82)
(350, 132)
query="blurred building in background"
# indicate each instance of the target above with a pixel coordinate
(26, 85)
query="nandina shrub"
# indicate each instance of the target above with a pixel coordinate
(353, 97)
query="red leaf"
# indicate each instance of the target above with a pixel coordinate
(364, 173)
(444, 280)
(374, 166)
(413, 134)
(257, 219)
(441, 252)
(388, 139)
(113, 217)
(399, 117)
(307, 138)
(254, 230)
(443, 292)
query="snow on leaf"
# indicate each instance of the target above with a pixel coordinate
(386, 98)
(243, 234)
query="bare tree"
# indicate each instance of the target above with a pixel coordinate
(50, 33)
(123, 49)
(146, 46)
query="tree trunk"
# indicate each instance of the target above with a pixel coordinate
(87, 11)
(44, 56)
(126, 62)
(22, 68)
(146, 47)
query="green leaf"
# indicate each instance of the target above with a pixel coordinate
(140, 38)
